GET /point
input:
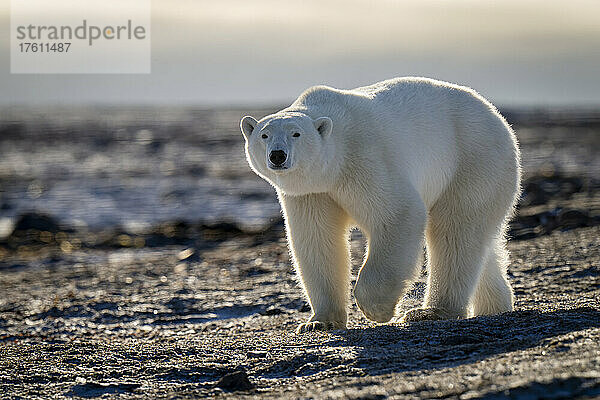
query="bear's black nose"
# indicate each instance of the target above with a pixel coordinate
(277, 157)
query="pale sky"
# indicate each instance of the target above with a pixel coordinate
(515, 52)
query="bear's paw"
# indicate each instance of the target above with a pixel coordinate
(312, 326)
(428, 314)
(374, 303)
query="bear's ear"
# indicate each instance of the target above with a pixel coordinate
(323, 125)
(247, 126)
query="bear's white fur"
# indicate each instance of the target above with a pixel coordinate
(405, 160)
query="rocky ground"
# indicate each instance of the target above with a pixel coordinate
(195, 309)
(171, 322)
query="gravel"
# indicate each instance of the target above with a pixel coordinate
(140, 323)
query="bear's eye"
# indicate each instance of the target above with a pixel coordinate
(296, 134)
(264, 136)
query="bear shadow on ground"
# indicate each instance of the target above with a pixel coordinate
(445, 344)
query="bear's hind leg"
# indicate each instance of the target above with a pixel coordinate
(494, 294)
(458, 238)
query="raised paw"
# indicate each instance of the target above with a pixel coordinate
(374, 306)
(428, 314)
(376, 312)
(312, 326)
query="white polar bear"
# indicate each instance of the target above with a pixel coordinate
(403, 159)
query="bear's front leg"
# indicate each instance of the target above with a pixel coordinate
(317, 230)
(395, 245)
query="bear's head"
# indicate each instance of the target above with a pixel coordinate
(290, 150)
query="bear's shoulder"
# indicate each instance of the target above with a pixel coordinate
(319, 101)
(319, 94)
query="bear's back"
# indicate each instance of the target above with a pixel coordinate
(409, 94)
(410, 90)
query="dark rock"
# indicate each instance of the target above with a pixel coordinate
(181, 305)
(10, 266)
(257, 354)
(196, 170)
(540, 189)
(235, 381)
(12, 130)
(104, 305)
(530, 226)
(220, 231)
(273, 310)
(94, 389)
(255, 196)
(569, 219)
(53, 259)
(36, 221)
(254, 271)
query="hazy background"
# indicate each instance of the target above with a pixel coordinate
(233, 52)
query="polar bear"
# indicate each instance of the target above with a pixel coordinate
(410, 161)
